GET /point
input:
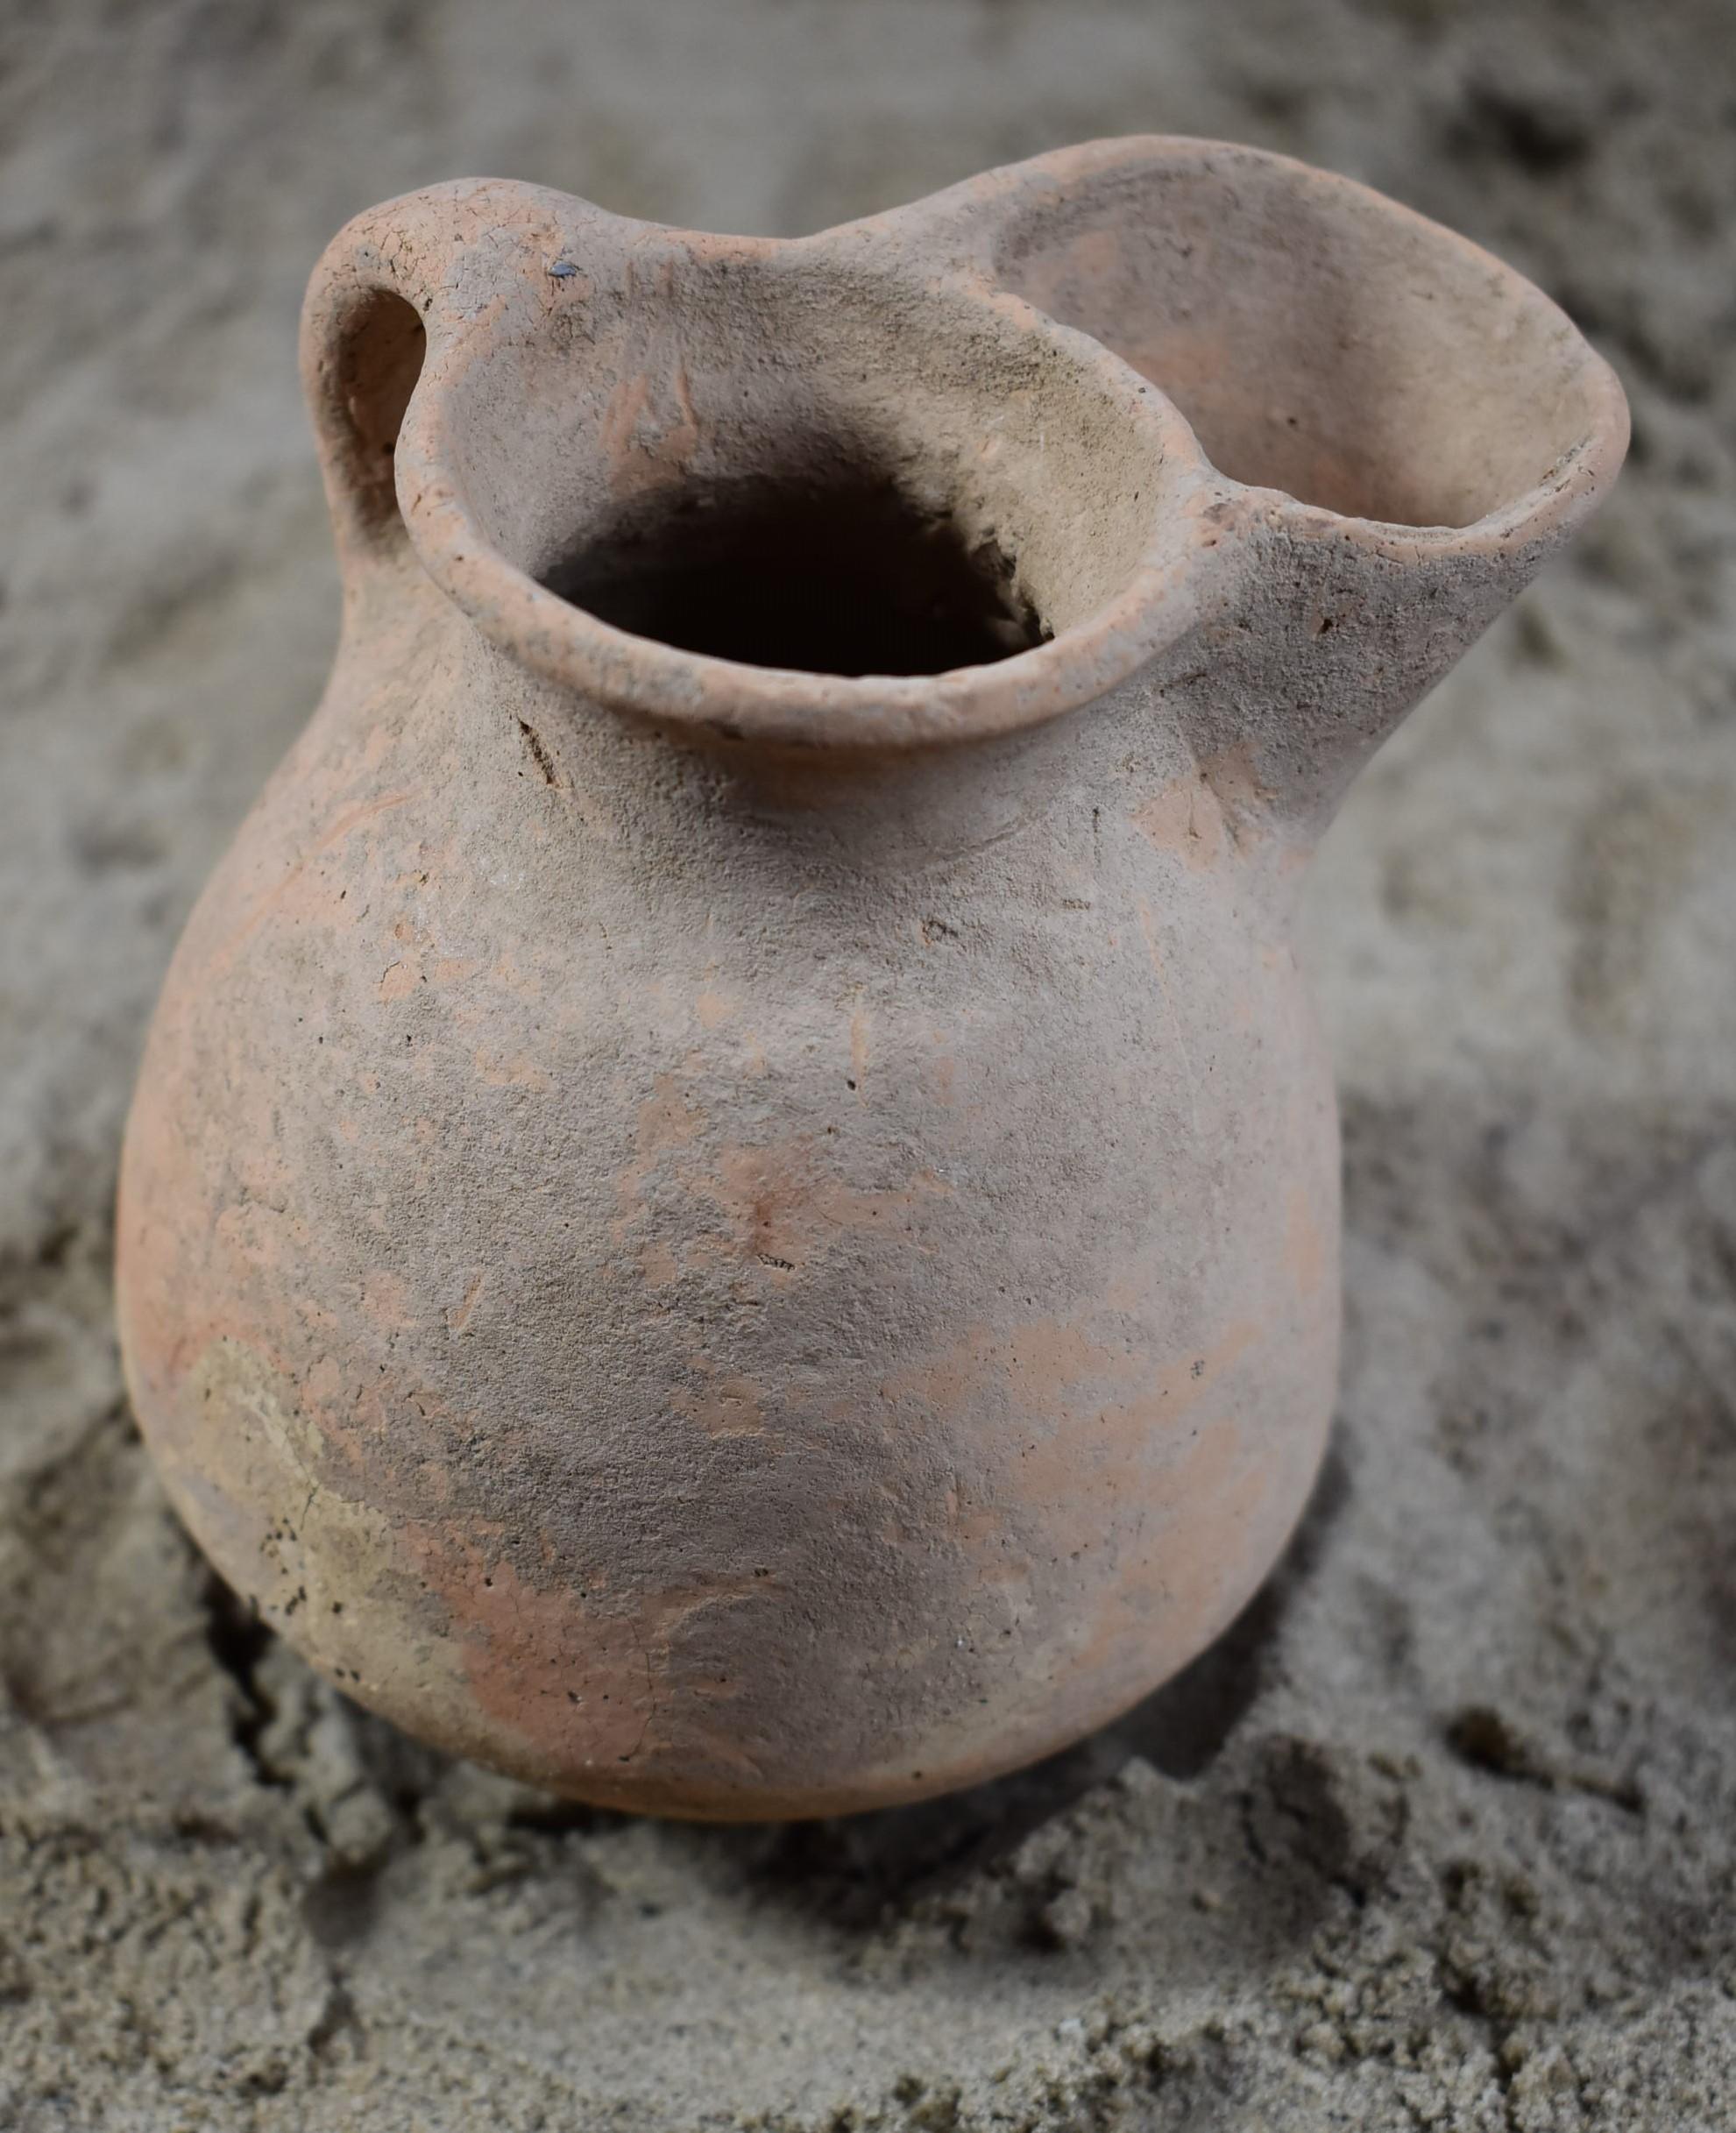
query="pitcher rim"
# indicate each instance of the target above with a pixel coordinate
(1197, 539)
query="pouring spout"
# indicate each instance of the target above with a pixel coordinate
(1407, 429)
(1337, 628)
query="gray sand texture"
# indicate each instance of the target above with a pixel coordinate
(1442, 1834)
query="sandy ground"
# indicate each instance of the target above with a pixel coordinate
(1445, 1835)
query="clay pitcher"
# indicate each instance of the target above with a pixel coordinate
(733, 1202)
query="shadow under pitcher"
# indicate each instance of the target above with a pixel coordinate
(733, 1201)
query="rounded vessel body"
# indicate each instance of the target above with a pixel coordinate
(739, 1239)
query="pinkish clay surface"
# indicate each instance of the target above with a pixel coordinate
(732, 1202)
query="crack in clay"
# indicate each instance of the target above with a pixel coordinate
(540, 756)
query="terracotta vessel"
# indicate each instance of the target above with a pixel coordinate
(732, 1202)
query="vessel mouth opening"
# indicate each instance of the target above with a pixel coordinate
(765, 489)
(837, 570)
